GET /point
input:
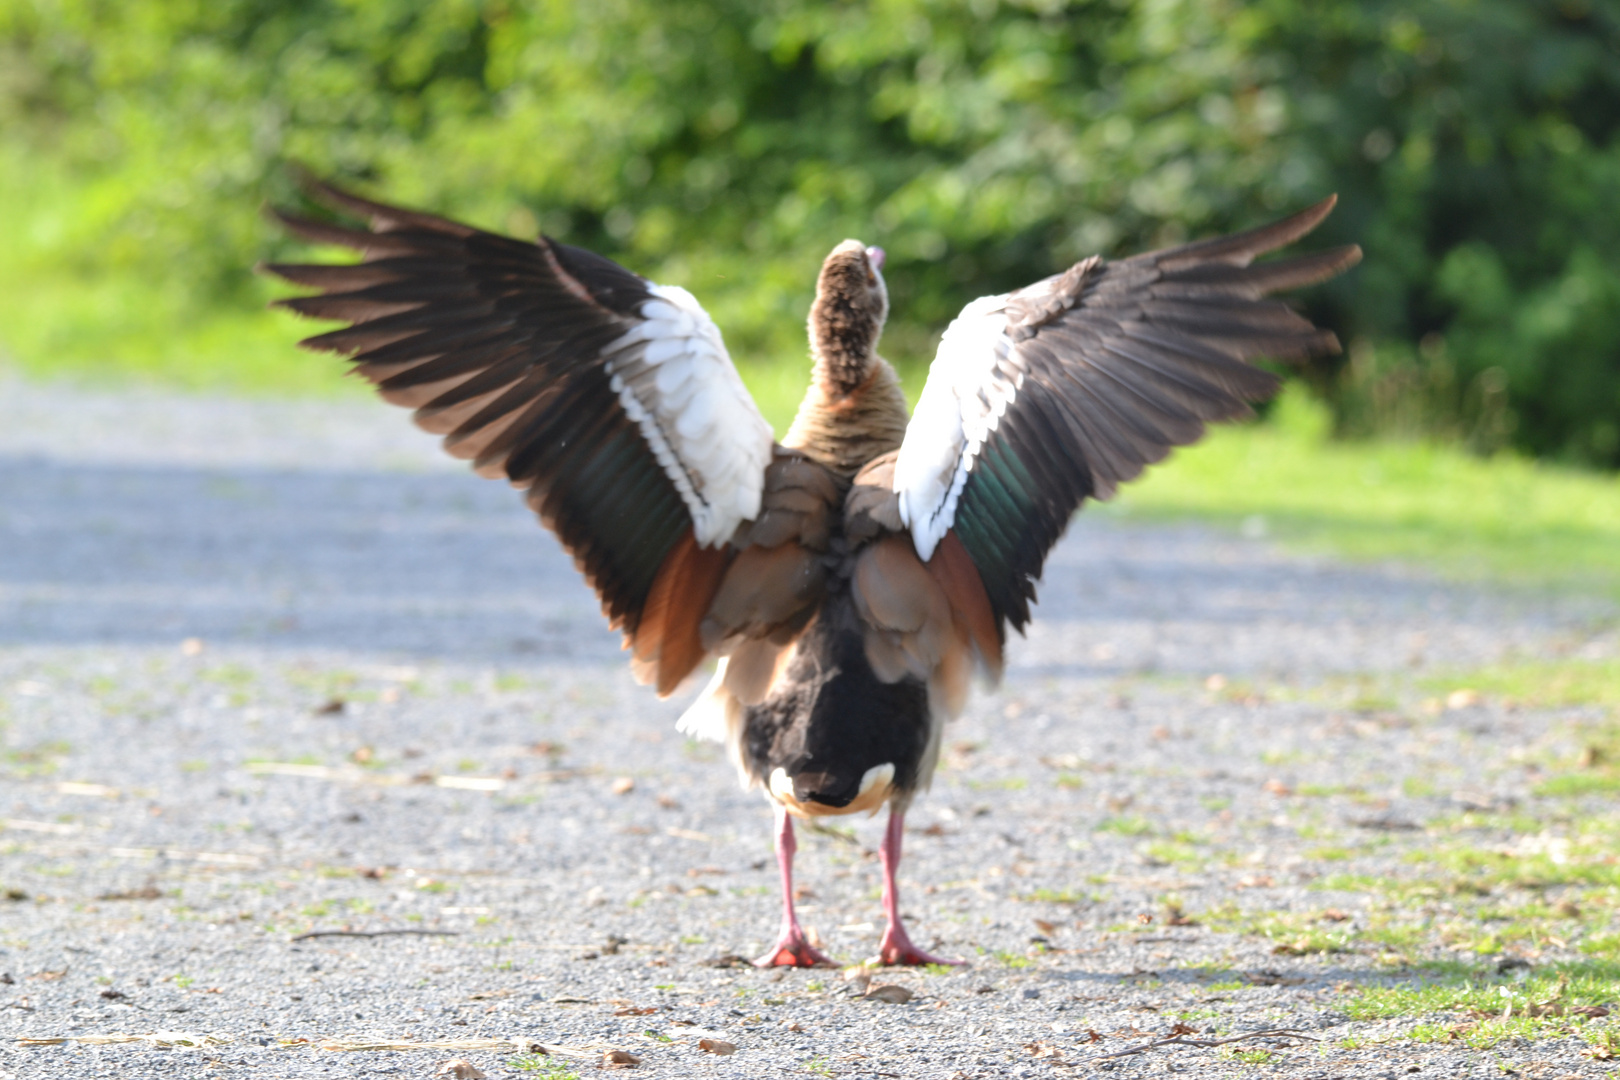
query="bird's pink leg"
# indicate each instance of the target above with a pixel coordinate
(897, 947)
(791, 949)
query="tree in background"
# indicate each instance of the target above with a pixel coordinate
(726, 145)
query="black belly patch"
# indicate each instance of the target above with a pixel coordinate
(829, 719)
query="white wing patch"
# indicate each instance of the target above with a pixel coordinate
(972, 381)
(675, 379)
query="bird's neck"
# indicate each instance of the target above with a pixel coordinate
(843, 342)
(845, 429)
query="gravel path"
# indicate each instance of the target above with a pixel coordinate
(268, 668)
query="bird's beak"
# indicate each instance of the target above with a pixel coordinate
(874, 255)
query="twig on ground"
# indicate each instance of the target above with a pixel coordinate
(375, 933)
(1182, 1040)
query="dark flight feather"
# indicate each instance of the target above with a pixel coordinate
(1110, 365)
(497, 343)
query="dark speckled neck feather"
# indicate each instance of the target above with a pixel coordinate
(847, 318)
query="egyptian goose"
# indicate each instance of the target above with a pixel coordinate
(848, 581)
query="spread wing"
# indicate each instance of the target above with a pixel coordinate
(1062, 391)
(611, 400)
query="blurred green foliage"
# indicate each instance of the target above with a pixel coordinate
(727, 145)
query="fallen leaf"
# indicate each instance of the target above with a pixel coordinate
(1334, 915)
(647, 1010)
(1183, 1029)
(889, 992)
(729, 960)
(669, 802)
(330, 707)
(1277, 787)
(717, 1046)
(191, 647)
(1590, 1011)
(624, 785)
(1046, 927)
(619, 1059)
(1092, 1036)
(1255, 881)
(47, 976)
(362, 755)
(460, 1069)
(113, 995)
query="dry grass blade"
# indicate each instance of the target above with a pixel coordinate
(353, 1043)
(374, 933)
(169, 1040)
(1183, 1040)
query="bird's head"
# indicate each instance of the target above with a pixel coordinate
(847, 318)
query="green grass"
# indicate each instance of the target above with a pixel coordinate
(1125, 825)
(1480, 1008)
(1549, 684)
(1504, 517)
(542, 1065)
(104, 325)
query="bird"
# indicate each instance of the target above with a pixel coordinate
(848, 582)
